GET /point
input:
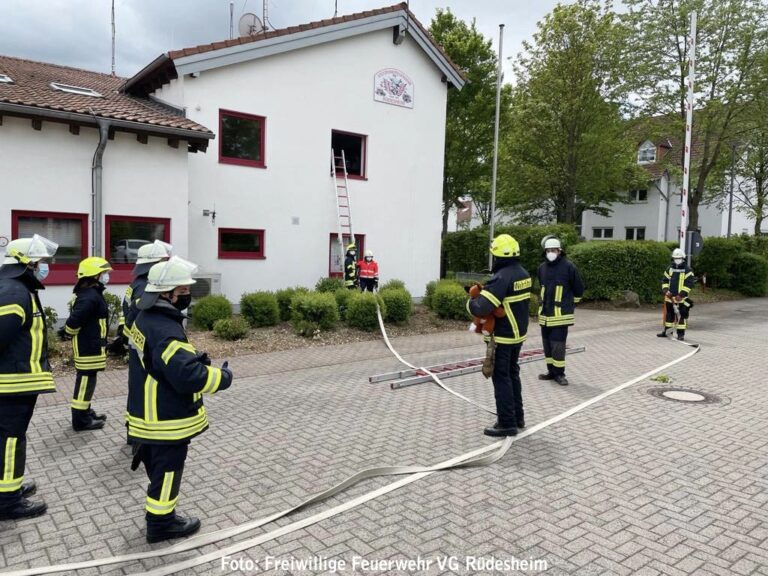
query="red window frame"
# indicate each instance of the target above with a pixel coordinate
(363, 158)
(59, 274)
(334, 237)
(233, 255)
(263, 132)
(123, 273)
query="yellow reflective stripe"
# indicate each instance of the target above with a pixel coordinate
(11, 485)
(165, 505)
(505, 340)
(174, 347)
(79, 402)
(168, 425)
(542, 293)
(558, 363)
(71, 331)
(103, 327)
(15, 383)
(150, 399)
(559, 293)
(213, 381)
(576, 299)
(495, 301)
(512, 322)
(165, 491)
(10, 459)
(13, 309)
(548, 360)
(170, 435)
(518, 298)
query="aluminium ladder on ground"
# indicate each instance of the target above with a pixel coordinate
(404, 378)
(343, 203)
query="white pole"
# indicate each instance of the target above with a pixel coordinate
(496, 141)
(688, 125)
(113, 37)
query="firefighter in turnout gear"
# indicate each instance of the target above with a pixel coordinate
(168, 378)
(510, 287)
(87, 327)
(368, 272)
(561, 289)
(350, 268)
(24, 368)
(676, 286)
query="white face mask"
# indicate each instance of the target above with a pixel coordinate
(678, 261)
(552, 256)
(104, 278)
(42, 271)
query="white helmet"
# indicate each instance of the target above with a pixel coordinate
(167, 275)
(677, 253)
(154, 252)
(369, 253)
(552, 243)
(26, 250)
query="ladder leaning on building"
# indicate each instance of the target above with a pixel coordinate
(343, 202)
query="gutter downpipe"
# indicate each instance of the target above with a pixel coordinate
(96, 188)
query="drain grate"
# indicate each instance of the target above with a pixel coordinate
(686, 395)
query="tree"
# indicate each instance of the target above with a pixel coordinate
(566, 151)
(731, 36)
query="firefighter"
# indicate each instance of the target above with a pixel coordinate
(24, 368)
(368, 270)
(87, 327)
(350, 268)
(676, 286)
(510, 287)
(166, 384)
(561, 289)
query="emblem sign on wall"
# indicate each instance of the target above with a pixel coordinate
(392, 86)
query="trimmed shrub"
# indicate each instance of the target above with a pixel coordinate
(608, 268)
(208, 309)
(260, 309)
(394, 283)
(231, 328)
(716, 256)
(430, 291)
(314, 311)
(749, 274)
(329, 284)
(533, 305)
(450, 301)
(342, 298)
(398, 303)
(284, 298)
(114, 309)
(361, 311)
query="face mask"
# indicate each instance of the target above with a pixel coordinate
(552, 256)
(678, 261)
(368, 258)
(42, 271)
(182, 301)
(104, 278)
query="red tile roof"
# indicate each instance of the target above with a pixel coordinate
(31, 88)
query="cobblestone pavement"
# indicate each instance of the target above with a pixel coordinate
(633, 484)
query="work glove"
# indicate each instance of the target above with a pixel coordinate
(678, 298)
(376, 283)
(117, 346)
(226, 377)
(204, 358)
(62, 334)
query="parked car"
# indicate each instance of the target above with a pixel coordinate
(127, 250)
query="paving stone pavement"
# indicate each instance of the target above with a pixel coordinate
(631, 485)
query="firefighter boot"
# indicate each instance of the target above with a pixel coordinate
(82, 421)
(497, 430)
(95, 416)
(23, 509)
(662, 334)
(28, 488)
(176, 527)
(561, 379)
(546, 376)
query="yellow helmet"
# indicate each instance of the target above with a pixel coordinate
(92, 267)
(351, 247)
(504, 246)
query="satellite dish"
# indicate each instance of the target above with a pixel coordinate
(249, 25)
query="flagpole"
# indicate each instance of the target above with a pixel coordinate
(496, 142)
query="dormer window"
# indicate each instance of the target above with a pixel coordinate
(5, 79)
(79, 90)
(646, 154)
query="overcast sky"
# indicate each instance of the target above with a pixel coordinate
(78, 32)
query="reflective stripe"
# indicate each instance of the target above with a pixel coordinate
(165, 505)
(558, 363)
(495, 301)
(169, 435)
(90, 363)
(150, 399)
(213, 381)
(71, 331)
(165, 492)
(80, 403)
(548, 360)
(103, 327)
(174, 347)
(168, 425)
(576, 299)
(13, 309)
(10, 459)
(558, 300)
(512, 322)
(26, 382)
(518, 298)
(37, 335)
(504, 340)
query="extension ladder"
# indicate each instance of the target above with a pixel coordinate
(343, 204)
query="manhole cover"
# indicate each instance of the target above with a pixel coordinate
(686, 395)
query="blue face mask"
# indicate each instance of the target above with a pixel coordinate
(41, 272)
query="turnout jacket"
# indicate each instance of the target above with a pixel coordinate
(561, 289)
(509, 287)
(368, 270)
(24, 367)
(167, 380)
(87, 324)
(350, 270)
(133, 294)
(678, 280)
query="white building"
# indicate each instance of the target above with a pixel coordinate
(373, 84)
(654, 213)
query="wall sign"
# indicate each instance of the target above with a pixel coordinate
(392, 86)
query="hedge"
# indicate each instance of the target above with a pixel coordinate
(467, 250)
(231, 328)
(450, 301)
(260, 309)
(714, 260)
(342, 297)
(313, 311)
(430, 290)
(329, 284)
(749, 274)
(361, 311)
(208, 309)
(284, 298)
(397, 302)
(394, 283)
(608, 268)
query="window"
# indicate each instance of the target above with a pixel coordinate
(337, 255)
(69, 231)
(123, 237)
(638, 196)
(79, 90)
(241, 243)
(5, 79)
(635, 233)
(602, 232)
(241, 139)
(354, 147)
(647, 153)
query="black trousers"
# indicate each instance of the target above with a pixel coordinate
(367, 284)
(164, 464)
(507, 387)
(554, 348)
(669, 321)
(85, 386)
(15, 415)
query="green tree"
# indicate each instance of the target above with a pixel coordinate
(731, 35)
(567, 150)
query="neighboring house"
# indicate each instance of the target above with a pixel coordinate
(649, 215)
(259, 209)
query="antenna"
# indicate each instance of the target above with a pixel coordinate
(249, 25)
(265, 13)
(335, 8)
(113, 37)
(231, 20)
